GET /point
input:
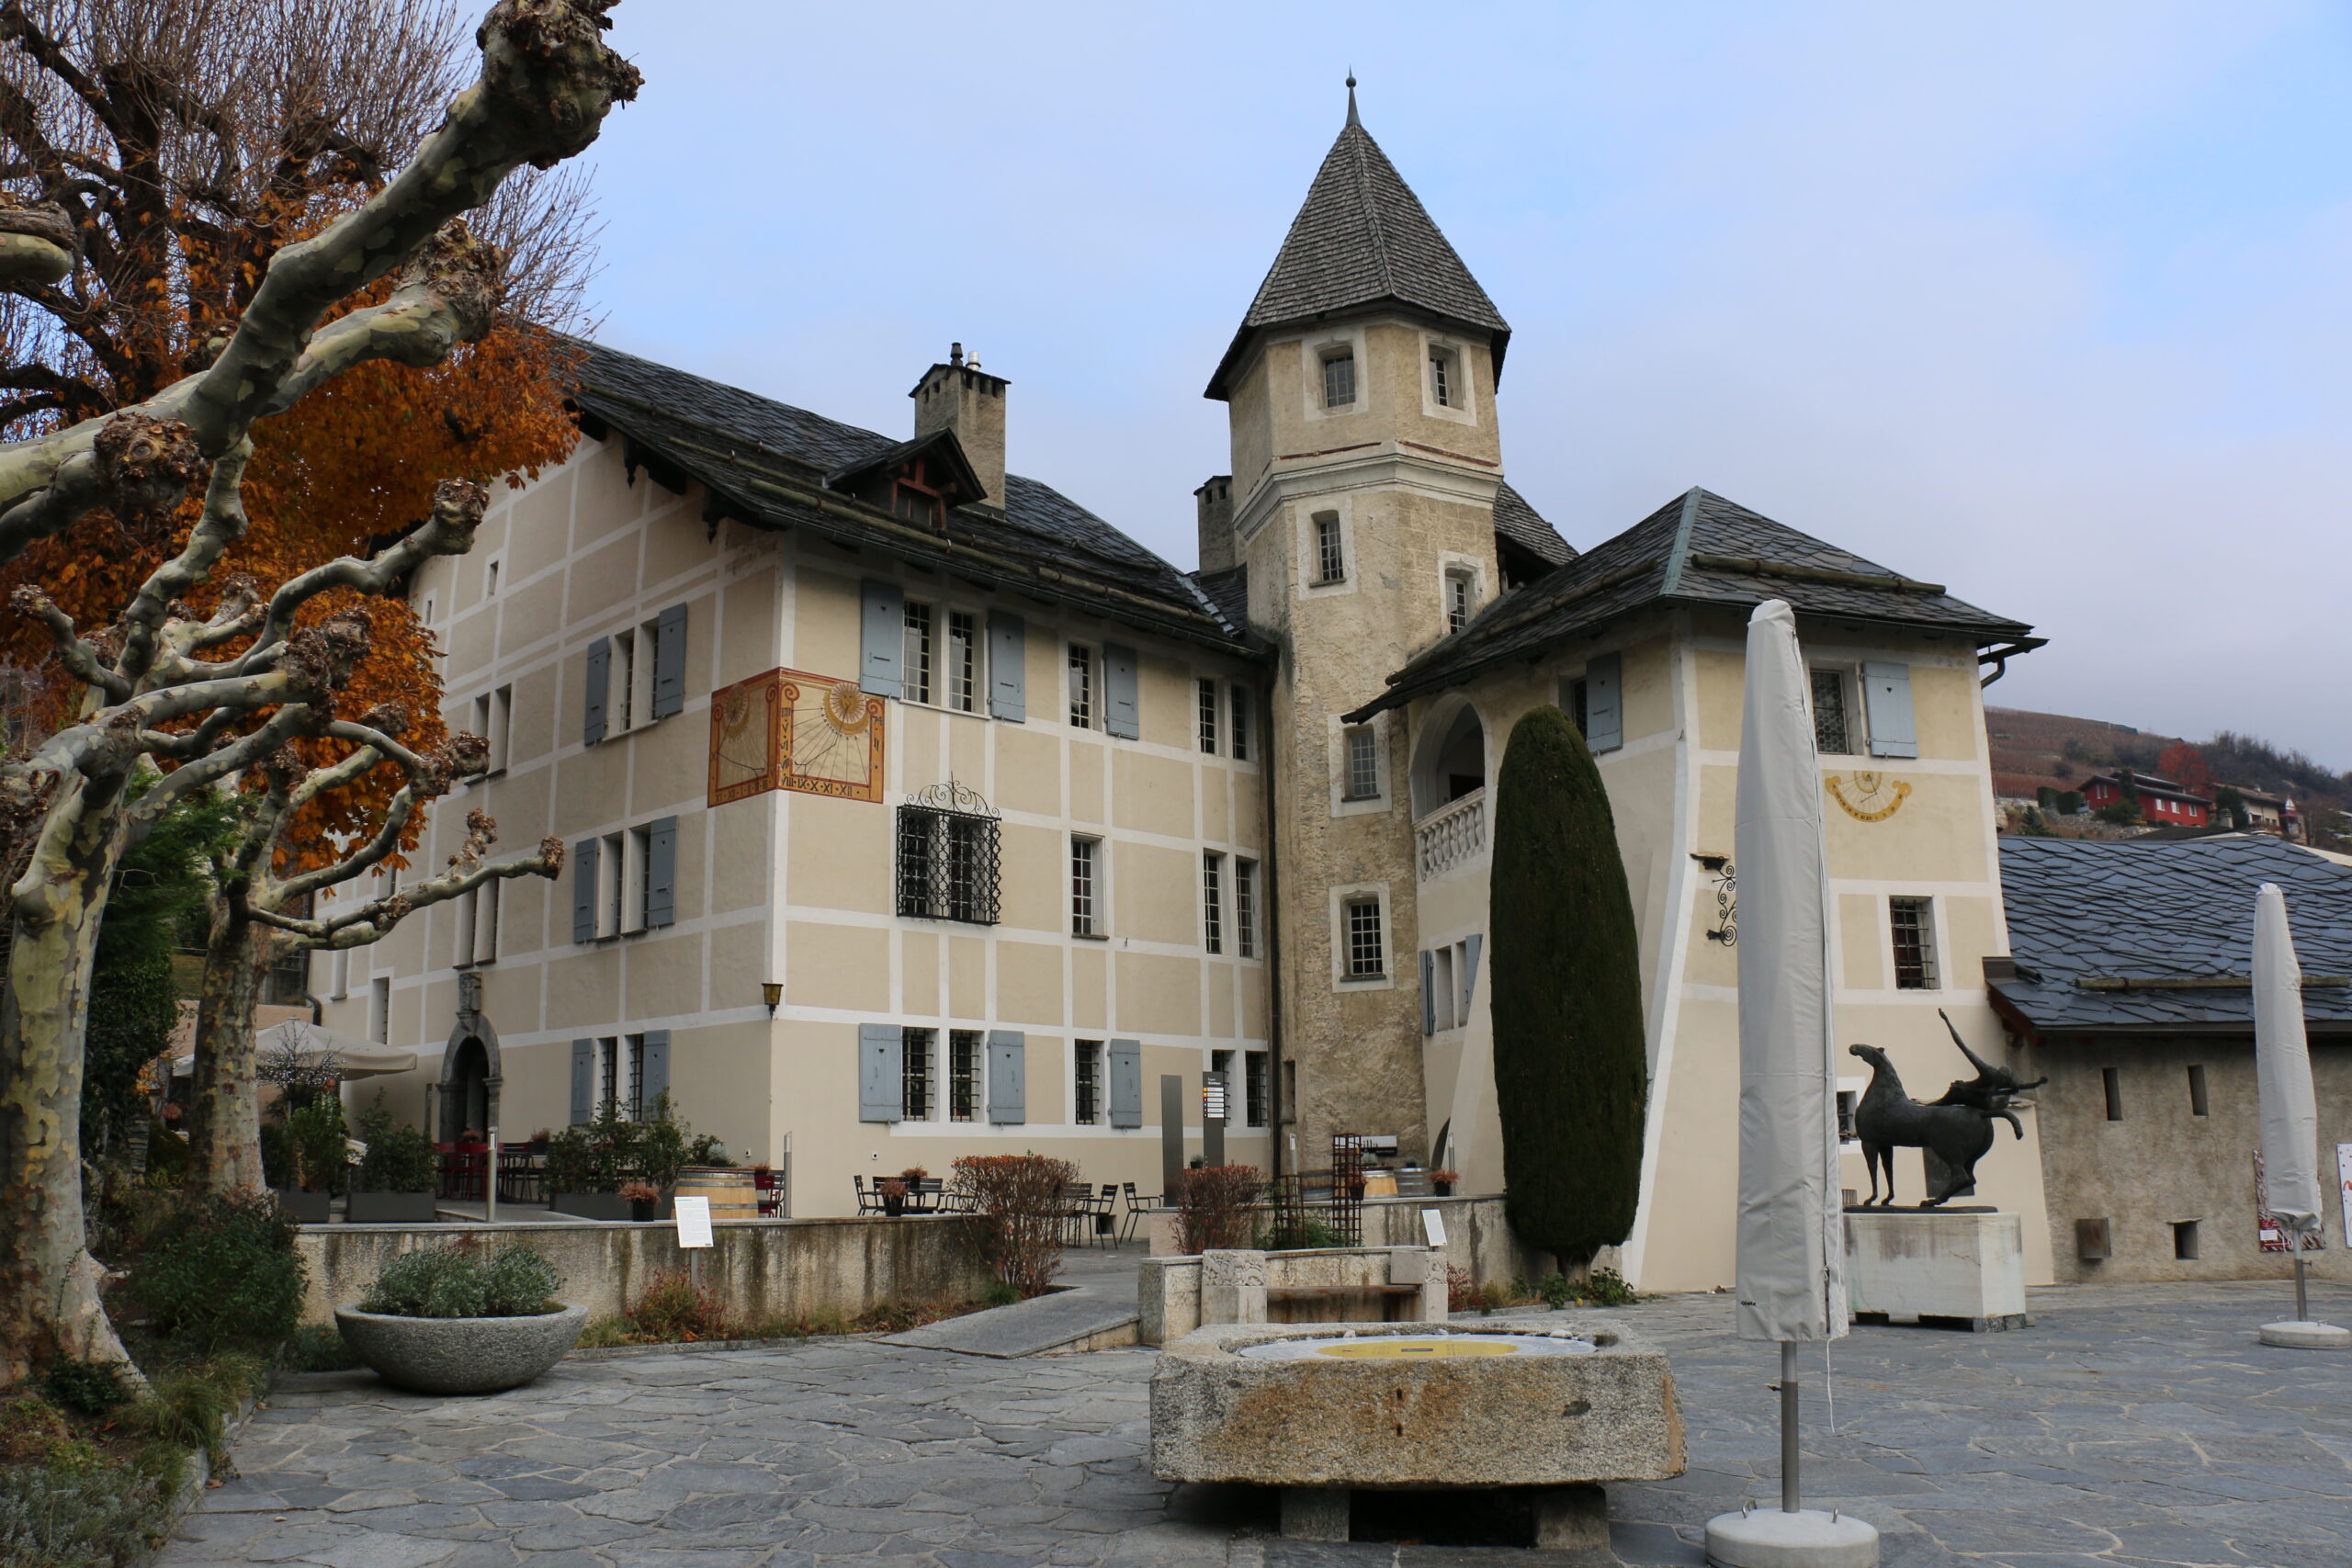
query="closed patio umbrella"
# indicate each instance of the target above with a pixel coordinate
(1791, 1280)
(2282, 1064)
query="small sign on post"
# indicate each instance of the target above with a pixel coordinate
(694, 1231)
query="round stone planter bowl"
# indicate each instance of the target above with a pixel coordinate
(460, 1355)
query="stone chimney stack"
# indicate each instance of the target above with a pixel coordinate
(1215, 499)
(961, 397)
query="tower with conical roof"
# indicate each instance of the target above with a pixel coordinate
(1363, 502)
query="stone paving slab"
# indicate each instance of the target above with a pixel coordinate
(2136, 1427)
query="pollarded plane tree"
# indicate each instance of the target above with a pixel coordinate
(201, 698)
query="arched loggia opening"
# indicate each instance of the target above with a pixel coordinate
(465, 1091)
(1451, 760)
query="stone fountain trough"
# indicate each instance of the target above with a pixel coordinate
(1322, 1410)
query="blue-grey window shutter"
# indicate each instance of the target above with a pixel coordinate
(583, 1081)
(1121, 715)
(881, 1095)
(1470, 946)
(1008, 1076)
(1007, 666)
(1429, 992)
(1126, 1083)
(584, 890)
(670, 662)
(1604, 708)
(1886, 692)
(884, 639)
(653, 1069)
(662, 872)
(600, 675)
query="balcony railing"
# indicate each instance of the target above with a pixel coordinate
(1454, 835)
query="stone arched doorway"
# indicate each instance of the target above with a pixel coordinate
(1451, 760)
(467, 1090)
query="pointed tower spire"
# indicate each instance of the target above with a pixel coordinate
(1362, 238)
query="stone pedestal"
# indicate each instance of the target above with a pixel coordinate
(1233, 1286)
(1766, 1537)
(1953, 1270)
(2307, 1337)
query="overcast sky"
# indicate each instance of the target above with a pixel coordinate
(2045, 302)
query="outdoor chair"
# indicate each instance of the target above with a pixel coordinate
(1138, 1207)
(867, 1202)
(1078, 1208)
(1105, 1209)
(931, 1194)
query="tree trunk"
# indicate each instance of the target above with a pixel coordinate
(224, 1120)
(50, 1303)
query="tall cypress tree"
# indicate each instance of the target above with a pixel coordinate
(1571, 1067)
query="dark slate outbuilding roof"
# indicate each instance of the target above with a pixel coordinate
(1522, 526)
(1696, 550)
(1362, 238)
(2107, 911)
(766, 464)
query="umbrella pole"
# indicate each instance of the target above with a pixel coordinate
(1789, 1488)
(2302, 1305)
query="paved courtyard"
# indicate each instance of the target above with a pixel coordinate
(2134, 1425)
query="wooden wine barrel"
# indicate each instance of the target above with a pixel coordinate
(732, 1192)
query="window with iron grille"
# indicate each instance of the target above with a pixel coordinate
(1914, 921)
(1209, 715)
(1081, 886)
(1340, 378)
(1255, 1081)
(915, 671)
(634, 1047)
(1212, 901)
(1081, 686)
(1237, 713)
(609, 1048)
(1367, 954)
(1363, 764)
(948, 856)
(963, 660)
(1245, 907)
(964, 1056)
(914, 1074)
(1330, 554)
(1829, 728)
(1088, 1079)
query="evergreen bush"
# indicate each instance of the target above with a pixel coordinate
(400, 1158)
(458, 1281)
(220, 1271)
(1571, 1063)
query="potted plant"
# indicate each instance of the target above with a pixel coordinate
(319, 1149)
(398, 1177)
(457, 1319)
(893, 1195)
(642, 1198)
(539, 1141)
(1441, 1182)
(587, 1164)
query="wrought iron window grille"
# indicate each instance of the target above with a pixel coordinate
(947, 856)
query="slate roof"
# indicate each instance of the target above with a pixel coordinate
(1230, 592)
(1524, 526)
(1696, 550)
(2092, 909)
(1361, 238)
(767, 463)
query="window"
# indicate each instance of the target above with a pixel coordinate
(1580, 704)
(914, 1075)
(633, 1050)
(338, 974)
(1217, 1090)
(1255, 1081)
(1082, 887)
(1236, 699)
(490, 579)
(2184, 1240)
(1442, 387)
(914, 669)
(2111, 1083)
(964, 1057)
(1914, 943)
(612, 883)
(608, 1051)
(502, 726)
(623, 674)
(1830, 734)
(1081, 686)
(1367, 955)
(1088, 1078)
(380, 1010)
(476, 911)
(1212, 901)
(947, 864)
(1848, 1100)
(426, 616)
(1207, 690)
(1458, 585)
(1245, 907)
(963, 660)
(2197, 1104)
(1442, 988)
(1363, 762)
(1340, 378)
(480, 725)
(1330, 554)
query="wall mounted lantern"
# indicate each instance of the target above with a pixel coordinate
(771, 992)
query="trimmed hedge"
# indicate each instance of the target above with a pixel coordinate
(1571, 1063)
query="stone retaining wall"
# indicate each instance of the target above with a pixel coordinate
(758, 1267)
(1478, 1239)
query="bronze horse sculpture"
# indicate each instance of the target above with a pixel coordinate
(1956, 1129)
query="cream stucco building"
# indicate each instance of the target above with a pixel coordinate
(1022, 819)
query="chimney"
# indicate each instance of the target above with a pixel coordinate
(1215, 499)
(961, 397)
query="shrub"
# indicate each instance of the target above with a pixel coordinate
(320, 1347)
(1607, 1287)
(1216, 1206)
(1555, 1293)
(108, 1516)
(1571, 1063)
(1293, 1229)
(2069, 802)
(400, 1158)
(220, 1271)
(86, 1388)
(1461, 1294)
(457, 1281)
(320, 1142)
(1018, 1204)
(595, 1156)
(674, 1309)
(665, 1145)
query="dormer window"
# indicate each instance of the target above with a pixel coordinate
(1340, 378)
(913, 498)
(1444, 379)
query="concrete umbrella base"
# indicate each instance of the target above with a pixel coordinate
(2307, 1336)
(1766, 1537)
